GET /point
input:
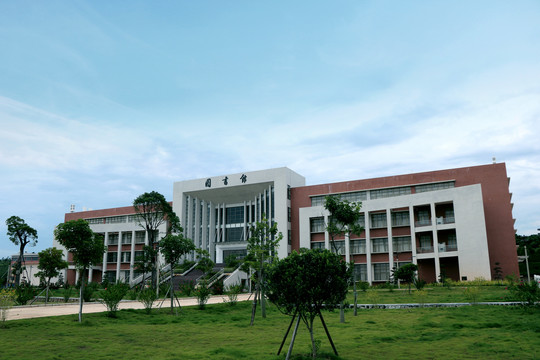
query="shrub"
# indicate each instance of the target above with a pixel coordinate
(187, 288)
(419, 284)
(24, 293)
(363, 285)
(472, 294)
(67, 291)
(147, 297)
(217, 288)
(7, 298)
(232, 293)
(89, 290)
(112, 296)
(202, 293)
(527, 292)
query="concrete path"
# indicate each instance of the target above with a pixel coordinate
(35, 311)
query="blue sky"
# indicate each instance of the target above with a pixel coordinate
(101, 101)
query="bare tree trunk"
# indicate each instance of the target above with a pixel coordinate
(341, 312)
(263, 300)
(254, 306)
(172, 290)
(47, 294)
(313, 347)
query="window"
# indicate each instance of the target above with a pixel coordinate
(115, 219)
(317, 245)
(381, 272)
(126, 238)
(289, 237)
(317, 225)
(339, 246)
(385, 193)
(360, 270)
(378, 220)
(112, 257)
(138, 254)
(425, 244)
(289, 192)
(361, 221)
(452, 242)
(401, 243)
(379, 245)
(113, 239)
(234, 215)
(433, 187)
(139, 237)
(96, 221)
(358, 246)
(317, 200)
(126, 256)
(356, 196)
(400, 218)
(289, 214)
(423, 218)
(234, 234)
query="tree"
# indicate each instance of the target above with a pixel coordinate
(153, 210)
(173, 247)
(343, 221)
(144, 263)
(532, 242)
(302, 283)
(87, 248)
(20, 233)
(4, 269)
(406, 273)
(262, 246)
(50, 263)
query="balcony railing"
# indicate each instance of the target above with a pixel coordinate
(445, 220)
(425, 222)
(445, 248)
(424, 249)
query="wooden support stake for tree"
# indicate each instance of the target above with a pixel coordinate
(254, 307)
(328, 334)
(287, 333)
(293, 338)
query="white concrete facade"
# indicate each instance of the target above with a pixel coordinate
(469, 227)
(217, 212)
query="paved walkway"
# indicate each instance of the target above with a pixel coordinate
(35, 311)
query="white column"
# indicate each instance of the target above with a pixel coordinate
(326, 234)
(212, 238)
(390, 242)
(104, 270)
(413, 234)
(368, 248)
(132, 256)
(119, 256)
(435, 241)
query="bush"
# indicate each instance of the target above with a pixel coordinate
(472, 294)
(147, 297)
(112, 296)
(89, 290)
(7, 298)
(419, 284)
(24, 293)
(187, 288)
(67, 291)
(363, 285)
(217, 288)
(202, 293)
(232, 293)
(527, 292)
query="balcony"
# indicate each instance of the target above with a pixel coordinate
(442, 220)
(424, 249)
(445, 248)
(424, 222)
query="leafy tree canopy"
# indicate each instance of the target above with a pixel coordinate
(51, 261)
(173, 247)
(77, 237)
(344, 216)
(303, 282)
(19, 232)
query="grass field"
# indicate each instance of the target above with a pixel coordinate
(223, 332)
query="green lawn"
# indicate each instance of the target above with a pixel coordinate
(223, 332)
(436, 294)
